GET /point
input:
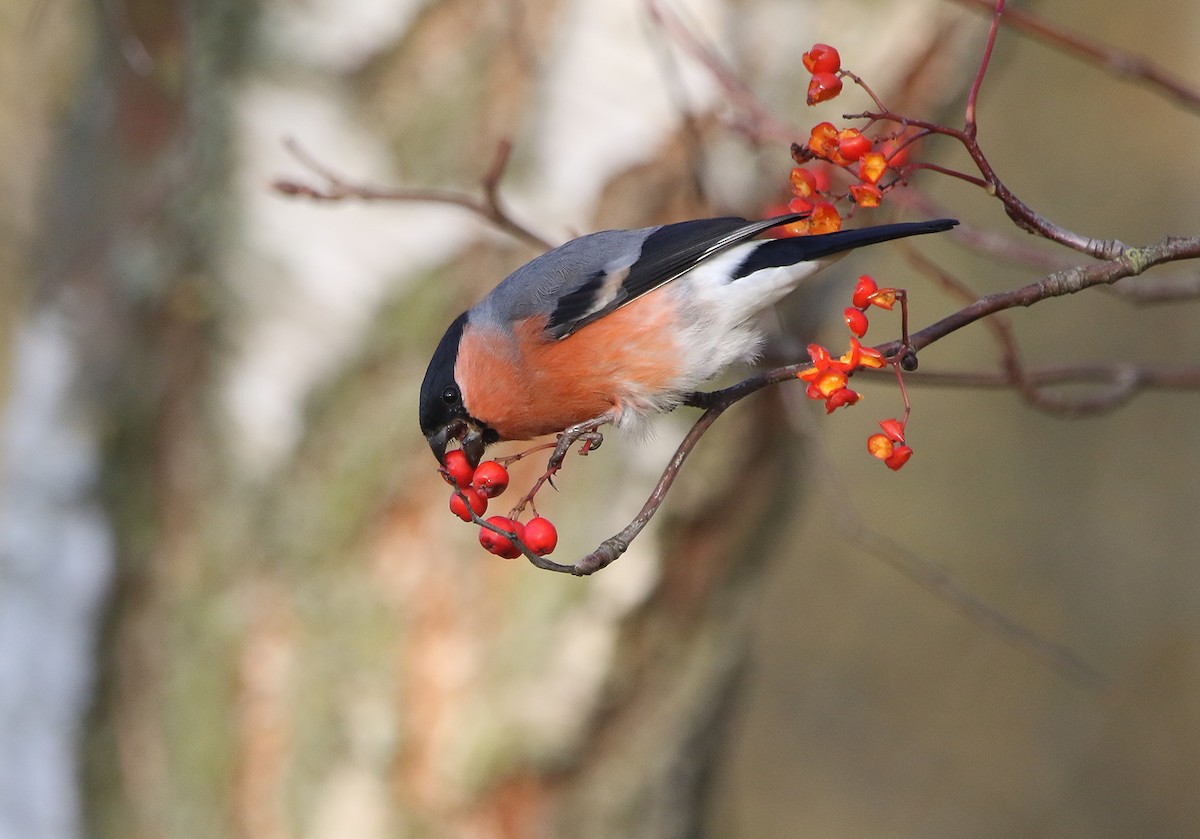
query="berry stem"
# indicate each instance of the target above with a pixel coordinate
(866, 88)
(971, 126)
(903, 395)
(944, 170)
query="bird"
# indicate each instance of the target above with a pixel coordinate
(618, 326)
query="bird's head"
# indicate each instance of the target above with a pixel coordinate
(444, 414)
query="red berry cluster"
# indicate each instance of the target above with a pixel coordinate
(829, 377)
(825, 65)
(852, 151)
(848, 149)
(469, 501)
(867, 293)
(889, 446)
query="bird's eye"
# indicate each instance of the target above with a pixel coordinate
(450, 395)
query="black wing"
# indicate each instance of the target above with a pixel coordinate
(666, 254)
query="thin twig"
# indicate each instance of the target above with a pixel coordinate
(1119, 62)
(1021, 213)
(970, 125)
(337, 188)
(1119, 383)
(1131, 262)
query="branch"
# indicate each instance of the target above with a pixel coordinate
(1021, 213)
(970, 127)
(1121, 382)
(1118, 62)
(489, 207)
(1131, 262)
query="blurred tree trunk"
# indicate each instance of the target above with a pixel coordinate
(311, 647)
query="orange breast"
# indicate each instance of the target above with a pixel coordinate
(535, 385)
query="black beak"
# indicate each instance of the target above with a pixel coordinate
(469, 435)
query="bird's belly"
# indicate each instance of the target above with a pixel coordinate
(625, 366)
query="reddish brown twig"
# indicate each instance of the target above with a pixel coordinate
(970, 126)
(1120, 63)
(1119, 382)
(1132, 262)
(489, 207)
(1122, 381)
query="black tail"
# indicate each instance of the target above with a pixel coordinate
(778, 252)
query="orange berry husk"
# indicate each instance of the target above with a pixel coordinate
(866, 195)
(863, 291)
(827, 382)
(820, 355)
(804, 182)
(894, 429)
(824, 219)
(880, 446)
(872, 166)
(823, 140)
(872, 358)
(850, 360)
(885, 298)
(841, 398)
(898, 457)
(823, 87)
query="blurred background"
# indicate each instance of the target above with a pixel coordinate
(232, 602)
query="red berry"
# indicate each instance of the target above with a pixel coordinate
(540, 536)
(459, 507)
(496, 543)
(857, 321)
(863, 291)
(823, 87)
(822, 58)
(458, 468)
(853, 144)
(490, 479)
(898, 458)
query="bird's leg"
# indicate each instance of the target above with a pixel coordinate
(585, 431)
(699, 399)
(513, 458)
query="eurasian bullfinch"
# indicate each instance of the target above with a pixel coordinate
(617, 326)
